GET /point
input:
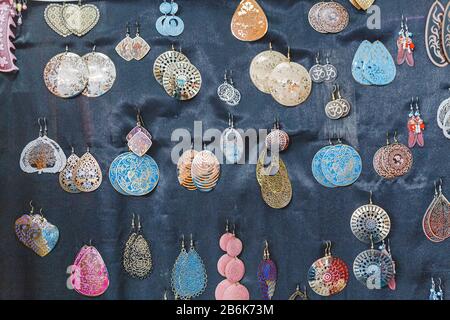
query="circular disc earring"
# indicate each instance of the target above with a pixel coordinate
(101, 76)
(225, 91)
(66, 74)
(317, 72)
(164, 60)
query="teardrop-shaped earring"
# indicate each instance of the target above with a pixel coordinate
(137, 258)
(249, 22)
(87, 173)
(66, 180)
(267, 275)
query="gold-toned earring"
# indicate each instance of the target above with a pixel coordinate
(66, 178)
(87, 174)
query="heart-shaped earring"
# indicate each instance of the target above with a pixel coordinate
(80, 19)
(35, 232)
(53, 17)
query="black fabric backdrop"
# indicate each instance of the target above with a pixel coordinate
(296, 233)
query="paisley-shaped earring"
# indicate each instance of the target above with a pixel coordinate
(137, 258)
(42, 155)
(87, 174)
(249, 22)
(189, 277)
(267, 274)
(328, 275)
(231, 143)
(66, 178)
(290, 83)
(298, 294)
(35, 232)
(88, 274)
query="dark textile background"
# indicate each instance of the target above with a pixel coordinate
(296, 233)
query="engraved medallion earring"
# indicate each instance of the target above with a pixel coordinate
(225, 91)
(331, 73)
(317, 71)
(236, 98)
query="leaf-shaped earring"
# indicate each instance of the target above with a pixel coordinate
(137, 258)
(88, 274)
(66, 180)
(189, 277)
(267, 275)
(42, 155)
(87, 173)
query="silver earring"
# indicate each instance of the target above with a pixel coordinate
(331, 71)
(225, 91)
(317, 71)
(234, 101)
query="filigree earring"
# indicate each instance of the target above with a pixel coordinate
(66, 178)
(328, 275)
(225, 91)
(35, 232)
(436, 219)
(267, 274)
(88, 274)
(433, 35)
(136, 257)
(277, 138)
(87, 174)
(236, 98)
(42, 155)
(189, 277)
(231, 143)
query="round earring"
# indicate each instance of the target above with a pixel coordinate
(101, 73)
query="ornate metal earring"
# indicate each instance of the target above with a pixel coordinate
(236, 98)
(277, 138)
(66, 178)
(267, 274)
(225, 91)
(333, 109)
(87, 174)
(317, 71)
(330, 71)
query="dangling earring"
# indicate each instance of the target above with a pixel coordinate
(433, 293)
(236, 98)
(225, 91)
(440, 293)
(317, 71)
(140, 47)
(267, 274)
(184, 166)
(189, 277)
(409, 45)
(137, 258)
(333, 109)
(436, 220)
(420, 125)
(401, 52)
(231, 143)
(277, 138)
(125, 47)
(66, 175)
(330, 71)
(205, 170)
(299, 295)
(87, 174)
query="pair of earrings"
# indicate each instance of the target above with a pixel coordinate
(136, 257)
(81, 174)
(232, 268)
(35, 232)
(169, 24)
(436, 294)
(267, 274)
(416, 126)
(320, 73)
(189, 277)
(227, 92)
(338, 107)
(405, 45)
(42, 155)
(133, 48)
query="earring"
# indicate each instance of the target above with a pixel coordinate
(333, 109)
(42, 155)
(345, 104)
(169, 24)
(249, 22)
(409, 45)
(328, 275)
(236, 98)
(262, 66)
(225, 91)
(88, 274)
(434, 36)
(137, 258)
(184, 167)
(440, 293)
(70, 67)
(125, 47)
(231, 143)
(416, 126)
(330, 71)
(267, 274)
(436, 219)
(140, 47)
(66, 175)
(420, 125)
(189, 277)
(277, 138)
(401, 44)
(139, 139)
(386, 249)
(317, 71)
(205, 170)
(87, 174)
(299, 295)
(101, 76)
(36, 233)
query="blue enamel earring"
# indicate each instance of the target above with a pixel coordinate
(169, 24)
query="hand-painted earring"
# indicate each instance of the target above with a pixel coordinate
(136, 257)
(87, 174)
(189, 277)
(416, 126)
(298, 294)
(140, 47)
(317, 71)
(88, 274)
(125, 47)
(328, 275)
(277, 138)
(405, 45)
(139, 139)
(66, 178)
(267, 275)
(249, 22)
(231, 143)
(420, 125)
(101, 73)
(330, 71)
(35, 232)
(42, 155)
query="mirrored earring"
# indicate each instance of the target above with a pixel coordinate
(42, 155)
(87, 173)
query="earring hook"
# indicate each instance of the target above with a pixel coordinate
(32, 208)
(370, 197)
